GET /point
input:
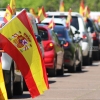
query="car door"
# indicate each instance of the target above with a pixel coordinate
(59, 50)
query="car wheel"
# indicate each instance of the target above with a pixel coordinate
(52, 72)
(9, 85)
(73, 68)
(18, 87)
(86, 60)
(61, 71)
(79, 67)
(91, 60)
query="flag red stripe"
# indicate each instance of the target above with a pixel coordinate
(20, 61)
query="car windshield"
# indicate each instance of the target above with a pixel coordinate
(43, 34)
(61, 32)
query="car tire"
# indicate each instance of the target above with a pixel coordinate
(53, 72)
(18, 87)
(10, 84)
(91, 61)
(79, 67)
(61, 71)
(86, 60)
(73, 68)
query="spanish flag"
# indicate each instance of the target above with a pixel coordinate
(13, 7)
(33, 12)
(41, 14)
(69, 18)
(3, 93)
(51, 24)
(61, 7)
(86, 13)
(8, 14)
(81, 10)
(17, 39)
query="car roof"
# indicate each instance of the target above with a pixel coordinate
(58, 21)
(63, 13)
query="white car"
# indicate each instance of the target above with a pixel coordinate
(12, 76)
(79, 24)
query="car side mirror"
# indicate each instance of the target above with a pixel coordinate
(38, 37)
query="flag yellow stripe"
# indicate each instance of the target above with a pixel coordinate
(33, 60)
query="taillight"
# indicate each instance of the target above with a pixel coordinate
(49, 46)
(66, 44)
(94, 36)
(84, 36)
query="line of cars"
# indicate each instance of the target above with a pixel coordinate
(80, 42)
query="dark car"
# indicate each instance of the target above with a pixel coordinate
(72, 49)
(53, 52)
(92, 28)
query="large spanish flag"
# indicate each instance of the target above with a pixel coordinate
(61, 7)
(18, 40)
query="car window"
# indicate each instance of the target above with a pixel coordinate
(54, 35)
(75, 22)
(43, 34)
(61, 32)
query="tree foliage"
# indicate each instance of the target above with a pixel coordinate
(53, 5)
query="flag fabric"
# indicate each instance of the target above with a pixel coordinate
(51, 24)
(69, 18)
(86, 13)
(61, 7)
(3, 93)
(13, 7)
(17, 39)
(41, 14)
(81, 10)
(8, 14)
(33, 12)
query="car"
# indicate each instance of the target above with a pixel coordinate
(53, 51)
(72, 48)
(57, 21)
(79, 24)
(94, 30)
(13, 78)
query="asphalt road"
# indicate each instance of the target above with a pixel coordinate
(83, 85)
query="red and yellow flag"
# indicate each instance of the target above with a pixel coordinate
(17, 39)
(33, 12)
(61, 7)
(41, 14)
(3, 93)
(8, 14)
(69, 18)
(81, 10)
(13, 7)
(86, 13)
(51, 24)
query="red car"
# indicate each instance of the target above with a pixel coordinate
(53, 52)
